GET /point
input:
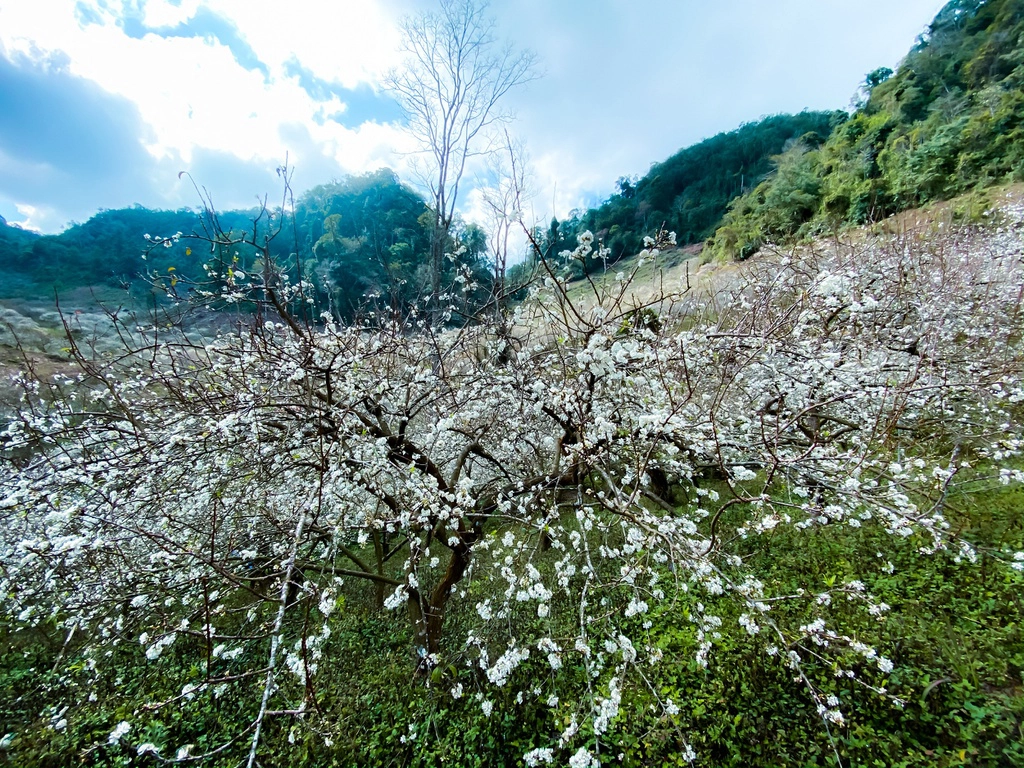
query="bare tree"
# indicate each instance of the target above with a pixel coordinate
(454, 78)
(504, 199)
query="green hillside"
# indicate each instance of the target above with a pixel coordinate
(363, 236)
(360, 242)
(690, 191)
(946, 122)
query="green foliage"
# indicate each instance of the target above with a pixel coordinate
(362, 242)
(365, 237)
(775, 209)
(689, 192)
(15, 243)
(947, 121)
(104, 251)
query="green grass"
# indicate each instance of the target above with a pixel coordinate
(954, 633)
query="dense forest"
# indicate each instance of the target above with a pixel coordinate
(948, 120)
(690, 192)
(360, 242)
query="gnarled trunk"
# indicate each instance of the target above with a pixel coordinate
(427, 612)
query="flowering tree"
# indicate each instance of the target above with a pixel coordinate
(555, 486)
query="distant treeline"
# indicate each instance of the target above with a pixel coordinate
(364, 241)
(947, 121)
(361, 242)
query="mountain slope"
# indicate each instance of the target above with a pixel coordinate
(950, 119)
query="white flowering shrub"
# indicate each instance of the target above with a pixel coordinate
(223, 492)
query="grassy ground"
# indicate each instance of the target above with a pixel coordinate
(954, 633)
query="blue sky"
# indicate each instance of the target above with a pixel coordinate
(103, 102)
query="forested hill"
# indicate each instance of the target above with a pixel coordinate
(690, 192)
(105, 250)
(14, 243)
(358, 241)
(947, 121)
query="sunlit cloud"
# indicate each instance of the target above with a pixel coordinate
(28, 214)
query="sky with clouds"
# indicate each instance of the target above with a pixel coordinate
(104, 102)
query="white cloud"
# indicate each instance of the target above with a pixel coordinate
(350, 41)
(160, 13)
(30, 214)
(193, 94)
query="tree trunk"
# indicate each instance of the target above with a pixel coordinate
(379, 551)
(427, 615)
(438, 241)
